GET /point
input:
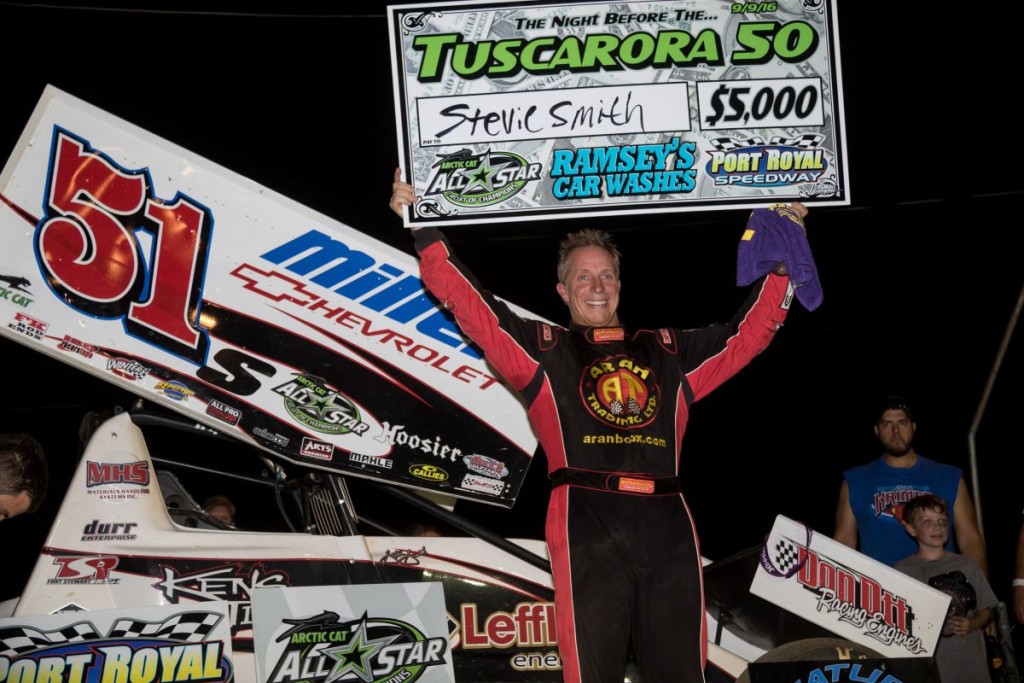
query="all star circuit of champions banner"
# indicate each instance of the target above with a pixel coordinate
(539, 111)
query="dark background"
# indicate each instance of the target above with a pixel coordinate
(921, 273)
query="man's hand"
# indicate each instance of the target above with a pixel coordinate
(402, 194)
(795, 212)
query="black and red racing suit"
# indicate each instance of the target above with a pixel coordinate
(610, 409)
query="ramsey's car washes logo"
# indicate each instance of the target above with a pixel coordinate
(475, 180)
(620, 392)
(322, 649)
(316, 405)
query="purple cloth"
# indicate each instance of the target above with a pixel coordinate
(774, 235)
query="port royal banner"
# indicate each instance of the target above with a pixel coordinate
(152, 268)
(541, 111)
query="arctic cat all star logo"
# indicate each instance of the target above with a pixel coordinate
(322, 649)
(312, 403)
(475, 180)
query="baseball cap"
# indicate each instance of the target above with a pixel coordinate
(893, 402)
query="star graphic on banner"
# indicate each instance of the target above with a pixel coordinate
(319, 406)
(483, 175)
(355, 656)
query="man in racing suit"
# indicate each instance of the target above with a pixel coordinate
(610, 407)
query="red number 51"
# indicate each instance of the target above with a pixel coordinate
(88, 248)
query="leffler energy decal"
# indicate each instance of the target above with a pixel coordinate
(156, 270)
(525, 111)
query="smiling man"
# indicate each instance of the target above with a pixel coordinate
(23, 475)
(609, 406)
(871, 498)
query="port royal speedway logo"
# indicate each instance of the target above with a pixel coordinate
(323, 649)
(851, 597)
(178, 649)
(475, 180)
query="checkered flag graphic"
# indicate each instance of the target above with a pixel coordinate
(192, 627)
(729, 144)
(805, 141)
(17, 640)
(786, 556)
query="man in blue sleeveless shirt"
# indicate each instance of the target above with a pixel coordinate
(871, 497)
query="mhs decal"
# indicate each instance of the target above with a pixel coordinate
(106, 473)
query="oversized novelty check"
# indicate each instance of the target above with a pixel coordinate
(543, 111)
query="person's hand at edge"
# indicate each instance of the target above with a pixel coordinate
(402, 194)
